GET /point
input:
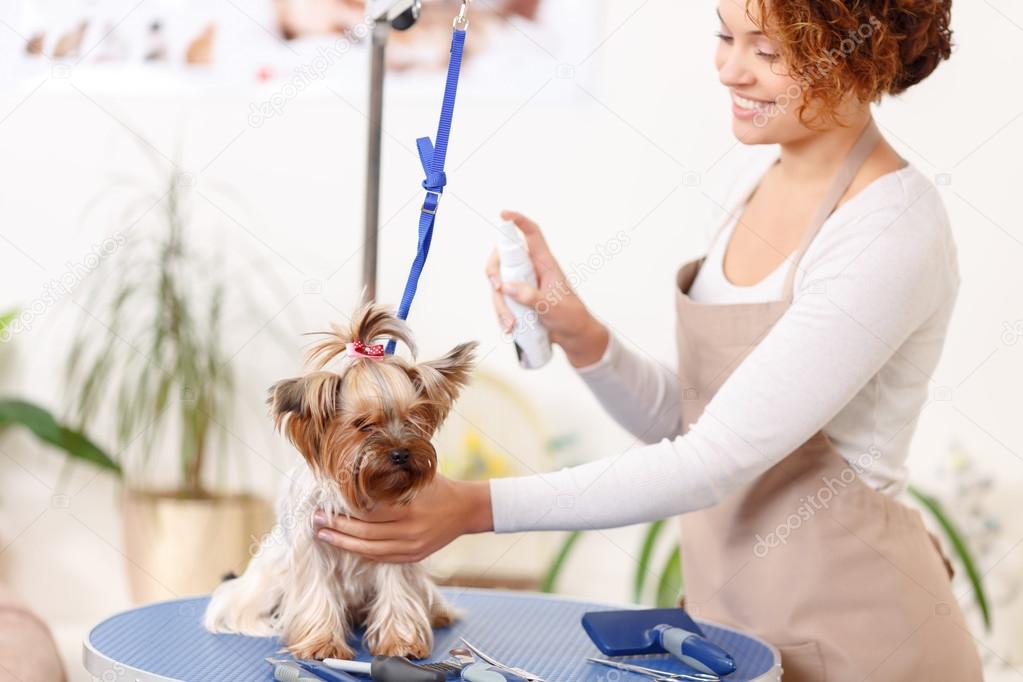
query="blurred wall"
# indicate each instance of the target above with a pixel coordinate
(629, 134)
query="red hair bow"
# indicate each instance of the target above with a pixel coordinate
(357, 349)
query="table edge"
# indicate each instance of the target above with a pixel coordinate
(98, 665)
(91, 658)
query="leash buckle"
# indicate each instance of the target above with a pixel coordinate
(461, 22)
(436, 202)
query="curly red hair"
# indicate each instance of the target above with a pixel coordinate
(869, 48)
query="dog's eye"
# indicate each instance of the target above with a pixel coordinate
(362, 424)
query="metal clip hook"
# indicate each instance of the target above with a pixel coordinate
(462, 21)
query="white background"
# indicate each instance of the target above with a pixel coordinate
(625, 128)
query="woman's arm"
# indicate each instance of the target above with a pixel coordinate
(639, 393)
(636, 391)
(880, 280)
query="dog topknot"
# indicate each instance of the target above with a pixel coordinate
(372, 323)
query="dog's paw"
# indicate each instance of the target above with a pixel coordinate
(390, 645)
(442, 615)
(323, 648)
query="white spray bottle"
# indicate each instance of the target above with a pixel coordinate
(532, 344)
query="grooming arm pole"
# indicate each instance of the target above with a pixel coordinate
(371, 226)
(382, 15)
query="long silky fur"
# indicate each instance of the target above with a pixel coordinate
(312, 595)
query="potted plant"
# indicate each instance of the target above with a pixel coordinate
(148, 361)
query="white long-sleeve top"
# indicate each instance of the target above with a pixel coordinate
(853, 355)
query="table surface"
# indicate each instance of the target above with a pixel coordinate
(540, 633)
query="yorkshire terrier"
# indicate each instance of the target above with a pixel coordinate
(364, 428)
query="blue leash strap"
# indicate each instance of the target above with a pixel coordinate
(432, 157)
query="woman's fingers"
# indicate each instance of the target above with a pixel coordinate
(390, 551)
(378, 514)
(522, 293)
(493, 270)
(529, 228)
(366, 530)
(505, 318)
(539, 252)
(393, 542)
(442, 511)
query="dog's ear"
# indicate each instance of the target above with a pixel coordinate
(286, 398)
(441, 380)
(301, 407)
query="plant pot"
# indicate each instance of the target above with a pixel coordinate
(177, 546)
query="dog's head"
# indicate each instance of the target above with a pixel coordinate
(367, 423)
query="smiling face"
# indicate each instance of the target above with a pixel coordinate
(765, 99)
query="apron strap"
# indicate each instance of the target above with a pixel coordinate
(867, 142)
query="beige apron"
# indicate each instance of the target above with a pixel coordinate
(844, 580)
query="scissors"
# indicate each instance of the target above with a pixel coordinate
(657, 675)
(509, 670)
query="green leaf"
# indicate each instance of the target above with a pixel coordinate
(7, 317)
(47, 429)
(961, 550)
(645, 552)
(551, 579)
(669, 587)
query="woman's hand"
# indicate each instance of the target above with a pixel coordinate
(439, 513)
(566, 318)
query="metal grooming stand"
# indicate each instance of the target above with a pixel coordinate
(383, 15)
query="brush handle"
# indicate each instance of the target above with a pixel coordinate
(387, 669)
(398, 669)
(695, 651)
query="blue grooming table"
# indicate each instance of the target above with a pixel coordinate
(166, 642)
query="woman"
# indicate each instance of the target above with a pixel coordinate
(806, 338)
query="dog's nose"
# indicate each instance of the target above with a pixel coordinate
(399, 456)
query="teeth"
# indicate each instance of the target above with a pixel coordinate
(749, 104)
